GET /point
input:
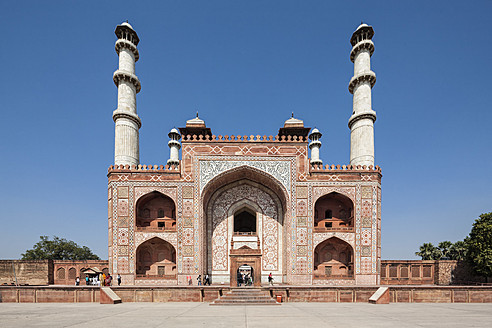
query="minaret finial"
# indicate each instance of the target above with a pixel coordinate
(196, 114)
(292, 114)
(127, 20)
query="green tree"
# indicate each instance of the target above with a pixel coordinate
(429, 252)
(458, 251)
(58, 249)
(445, 247)
(479, 245)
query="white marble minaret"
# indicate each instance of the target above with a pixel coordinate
(361, 123)
(127, 122)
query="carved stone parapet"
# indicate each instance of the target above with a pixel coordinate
(126, 114)
(239, 138)
(123, 43)
(144, 168)
(126, 76)
(368, 76)
(356, 117)
(364, 44)
(317, 168)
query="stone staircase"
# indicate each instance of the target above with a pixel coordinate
(245, 296)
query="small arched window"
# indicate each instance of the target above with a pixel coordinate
(72, 273)
(60, 273)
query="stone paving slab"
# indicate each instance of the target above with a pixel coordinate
(202, 315)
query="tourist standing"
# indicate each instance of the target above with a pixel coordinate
(270, 279)
(77, 281)
(239, 279)
(118, 277)
(207, 280)
(199, 279)
(87, 280)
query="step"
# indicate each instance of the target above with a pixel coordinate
(246, 296)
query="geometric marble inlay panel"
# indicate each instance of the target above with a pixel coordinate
(187, 192)
(366, 222)
(365, 236)
(302, 192)
(302, 207)
(122, 192)
(187, 207)
(123, 236)
(123, 207)
(366, 192)
(366, 208)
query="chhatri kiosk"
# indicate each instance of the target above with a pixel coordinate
(261, 204)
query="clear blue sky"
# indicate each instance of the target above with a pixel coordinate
(245, 65)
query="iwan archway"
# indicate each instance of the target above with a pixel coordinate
(244, 226)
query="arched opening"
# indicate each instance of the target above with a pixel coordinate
(245, 275)
(333, 259)
(245, 222)
(156, 258)
(265, 201)
(156, 212)
(334, 212)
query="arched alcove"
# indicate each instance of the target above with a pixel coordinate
(333, 259)
(72, 273)
(155, 212)
(244, 207)
(60, 273)
(334, 212)
(156, 258)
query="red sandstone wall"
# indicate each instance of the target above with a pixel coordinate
(398, 294)
(27, 272)
(65, 272)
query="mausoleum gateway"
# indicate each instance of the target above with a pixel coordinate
(262, 204)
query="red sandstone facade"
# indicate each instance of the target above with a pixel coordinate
(236, 200)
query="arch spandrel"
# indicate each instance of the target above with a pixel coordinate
(245, 172)
(320, 237)
(319, 192)
(167, 191)
(170, 237)
(278, 171)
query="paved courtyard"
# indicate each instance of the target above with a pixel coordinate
(202, 315)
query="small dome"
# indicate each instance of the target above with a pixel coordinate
(294, 122)
(195, 122)
(126, 24)
(361, 26)
(315, 131)
(173, 130)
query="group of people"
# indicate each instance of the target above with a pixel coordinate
(206, 280)
(96, 280)
(245, 279)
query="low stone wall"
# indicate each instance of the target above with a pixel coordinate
(26, 272)
(48, 294)
(349, 294)
(418, 272)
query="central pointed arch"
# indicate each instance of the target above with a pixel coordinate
(237, 181)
